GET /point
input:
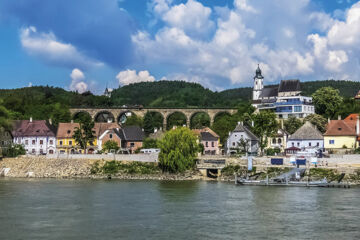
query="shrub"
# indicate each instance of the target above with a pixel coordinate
(14, 151)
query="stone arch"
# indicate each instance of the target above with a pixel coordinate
(193, 115)
(81, 114)
(179, 122)
(218, 114)
(157, 118)
(104, 116)
(121, 119)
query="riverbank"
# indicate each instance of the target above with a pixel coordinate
(42, 167)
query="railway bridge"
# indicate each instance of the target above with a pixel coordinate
(120, 114)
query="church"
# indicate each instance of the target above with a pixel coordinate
(285, 100)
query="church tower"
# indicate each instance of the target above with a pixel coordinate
(258, 84)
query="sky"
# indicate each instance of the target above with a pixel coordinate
(85, 45)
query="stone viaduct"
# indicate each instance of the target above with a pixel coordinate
(116, 113)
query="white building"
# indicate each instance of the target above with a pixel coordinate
(241, 134)
(285, 100)
(37, 136)
(305, 138)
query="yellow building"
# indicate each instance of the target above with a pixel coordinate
(65, 143)
(279, 140)
(342, 134)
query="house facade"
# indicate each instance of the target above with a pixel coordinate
(110, 135)
(305, 138)
(37, 136)
(67, 144)
(242, 134)
(210, 140)
(343, 134)
(279, 140)
(132, 138)
(285, 100)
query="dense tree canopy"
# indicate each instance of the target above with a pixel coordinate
(319, 121)
(292, 124)
(327, 101)
(84, 134)
(265, 126)
(111, 145)
(178, 150)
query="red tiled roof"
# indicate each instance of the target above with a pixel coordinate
(341, 128)
(66, 130)
(27, 128)
(352, 117)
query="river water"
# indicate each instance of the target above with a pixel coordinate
(100, 209)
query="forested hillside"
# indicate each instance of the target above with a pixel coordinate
(45, 102)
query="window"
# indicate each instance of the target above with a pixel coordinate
(317, 144)
(233, 144)
(41, 142)
(213, 144)
(33, 150)
(110, 136)
(297, 108)
(33, 142)
(41, 151)
(18, 141)
(274, 141)
(293, 144)
(70, 143)
(331, 141)
(279, 141)
(132, 144)
(309, 144)
(207, 144)
(298, 144)
(51, 142)
(26, 142)
(51, 151)
(61, 143)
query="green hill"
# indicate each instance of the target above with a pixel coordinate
(43, 102)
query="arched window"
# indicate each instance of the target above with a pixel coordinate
(274, 141)
(279, 141)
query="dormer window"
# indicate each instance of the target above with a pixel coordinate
(339, 129)
(68, 131)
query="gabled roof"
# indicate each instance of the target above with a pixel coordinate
(307, 132)
(351, 117)
(341, 128)
(132, 133)
(241, 128)
(205, 130)
(36, 128)
(269, 92)
(100, 128)
(292, 85)
(207, 136)
(66, 130)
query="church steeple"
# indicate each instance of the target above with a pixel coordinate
(258, 84)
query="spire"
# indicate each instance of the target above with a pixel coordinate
(258, 73)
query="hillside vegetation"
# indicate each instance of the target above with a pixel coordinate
(43, 102)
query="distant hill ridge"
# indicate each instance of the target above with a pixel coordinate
(153, 94)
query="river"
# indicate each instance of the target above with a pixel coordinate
(100, 209)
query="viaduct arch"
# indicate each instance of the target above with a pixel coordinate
(165, 112)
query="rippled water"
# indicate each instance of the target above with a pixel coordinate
(97, 209)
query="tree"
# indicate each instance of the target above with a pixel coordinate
(150, 143)
(152, 120)
(134, 120)
(111, 145)
(14, 151)
(292, 124)
(223, 125)
(265, 126)
(176, 119)
(200, 120)
(4, 118)
(84, 135)
(327, 101)
(178, 150)
(244, 145)
(319, 121)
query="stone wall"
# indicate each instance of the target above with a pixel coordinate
(152, 157)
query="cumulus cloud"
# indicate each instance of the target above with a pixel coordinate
(77, 81)
(130, 76)
(287, 38)
(49, 49)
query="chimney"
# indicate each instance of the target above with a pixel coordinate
(50, 121)
(109, 120)
(30, 119)
(328, 120)
(155, 130)
(252, 123)
(282, 124)
(339, 117)
(239, 123)
(229, 133)
(357, 125)
(72, 121)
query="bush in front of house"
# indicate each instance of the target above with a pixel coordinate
(272, 151)
(117, 167)
(14, 151)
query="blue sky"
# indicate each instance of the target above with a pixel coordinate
(88, 44)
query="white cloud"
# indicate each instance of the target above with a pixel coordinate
(49, 49)
(77, 81)
(287, 38)
(130, 76)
